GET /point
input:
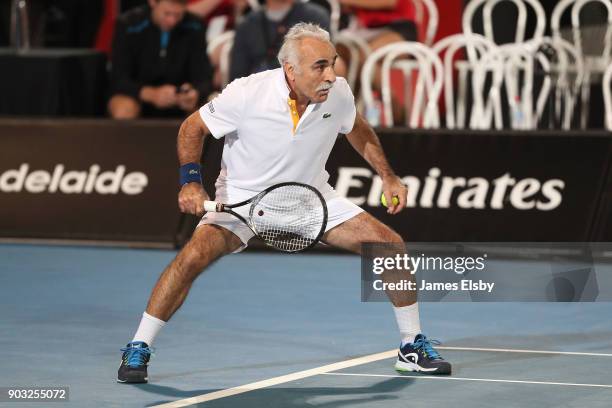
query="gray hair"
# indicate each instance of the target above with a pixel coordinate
(289, 50)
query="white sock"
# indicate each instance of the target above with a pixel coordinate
(148, 328)
(408, 322)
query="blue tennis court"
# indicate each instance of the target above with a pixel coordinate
(288, 331)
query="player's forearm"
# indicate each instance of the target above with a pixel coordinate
(191, 139)
(366, 143)
(375, 156)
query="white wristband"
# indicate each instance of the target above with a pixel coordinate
(210, 206)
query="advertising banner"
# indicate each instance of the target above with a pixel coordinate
(118, 181)
(483, 186)
(98, 180)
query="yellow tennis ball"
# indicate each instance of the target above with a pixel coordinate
(383, 200)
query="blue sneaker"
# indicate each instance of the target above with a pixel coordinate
(420, 356)
(133, 368)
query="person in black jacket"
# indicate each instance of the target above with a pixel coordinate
(259, 37)
(159, 63)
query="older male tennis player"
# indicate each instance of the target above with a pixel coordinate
(279, 125)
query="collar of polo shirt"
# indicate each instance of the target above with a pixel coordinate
(291, 103)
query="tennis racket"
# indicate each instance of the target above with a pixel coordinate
(290, 217)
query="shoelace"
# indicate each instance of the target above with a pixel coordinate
(137, 356)
(426, 344)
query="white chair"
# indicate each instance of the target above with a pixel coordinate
(254, 4)
(426, 14)
(429, 84)
(607, 82)
(487, 112)
(521, 24)
(555, 19)
(598, 63)
(594, 65)
(225, 41)
(426, 10)
(356, 46)
(568, 64)
(518, 63)
(520, 66)
(476, 46)
(334, 17)
(511, 63)
(428, 87)
(219, 40)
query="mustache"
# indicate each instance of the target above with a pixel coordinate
(325, 86)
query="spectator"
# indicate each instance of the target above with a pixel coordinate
(220, 16)
(382, 22)
(209, 9)
(205, 9)
(260, 35)
(160, 67)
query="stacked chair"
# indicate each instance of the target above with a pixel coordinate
(533, 82)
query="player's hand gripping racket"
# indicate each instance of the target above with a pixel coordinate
(290, 217)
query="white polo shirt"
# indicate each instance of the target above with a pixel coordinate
(261, 147)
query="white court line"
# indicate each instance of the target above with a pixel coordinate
(279, 380)
(429, 377)
(496, 350)
(359, 361)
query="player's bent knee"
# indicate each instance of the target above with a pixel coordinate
(384, 233)
(192, 261)
(208, 243)
(391, 237)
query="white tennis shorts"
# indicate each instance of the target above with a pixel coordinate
(339, 210)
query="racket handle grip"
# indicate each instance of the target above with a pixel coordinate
(212, 206)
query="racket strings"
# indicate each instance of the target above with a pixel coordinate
(289, 218)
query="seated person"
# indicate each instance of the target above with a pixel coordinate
(220, 16)
(260, 35)
(209, 9)
(379, 23)
(159, 62)
(382, 22)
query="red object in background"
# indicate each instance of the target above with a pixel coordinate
(225, 8)
(404, 10)
(105, 32)
(111, 10)
(449, 12)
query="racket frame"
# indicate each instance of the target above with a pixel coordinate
(214, 206)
